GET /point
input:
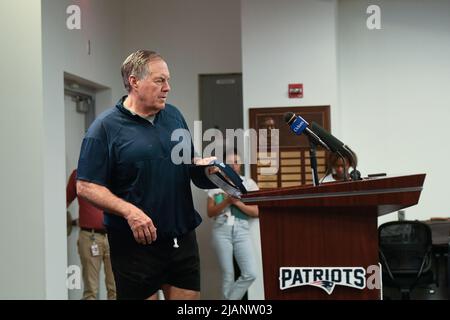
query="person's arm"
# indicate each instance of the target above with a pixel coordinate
(250, 210)
(71, 189)
(142, 226)
(215, 209)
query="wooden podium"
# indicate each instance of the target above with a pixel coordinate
(331, 225)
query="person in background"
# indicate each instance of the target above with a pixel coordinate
(93, 246)
(340, 170)
(230, 235)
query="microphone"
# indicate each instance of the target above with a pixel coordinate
(299, 125)
(334, 143)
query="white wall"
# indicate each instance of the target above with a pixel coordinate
(195, 37)
(37, 49)
(22, 271)
(394, 93)
(65, 50)
(288, 42)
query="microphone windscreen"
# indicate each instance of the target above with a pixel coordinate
(288, 116)
(334, 143)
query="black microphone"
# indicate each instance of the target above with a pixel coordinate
(339, 147)
(299, 125)
(334, 143)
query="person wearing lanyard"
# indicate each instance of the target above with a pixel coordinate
(93, 246)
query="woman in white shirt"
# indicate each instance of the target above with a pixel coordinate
(231, 234)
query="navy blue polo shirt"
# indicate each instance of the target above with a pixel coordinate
(132, 158)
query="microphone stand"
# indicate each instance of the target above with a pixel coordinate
(313, 160)
(355, 174)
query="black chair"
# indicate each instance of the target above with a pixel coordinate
(406, 255)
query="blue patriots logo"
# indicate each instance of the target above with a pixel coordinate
(326, 285)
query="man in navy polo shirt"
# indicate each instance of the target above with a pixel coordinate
(125, 168)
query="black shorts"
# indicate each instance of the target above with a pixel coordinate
(141, 270)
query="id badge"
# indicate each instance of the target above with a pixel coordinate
(230, 220)
(94, 250)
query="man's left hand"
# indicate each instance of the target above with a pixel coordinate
(206, 161)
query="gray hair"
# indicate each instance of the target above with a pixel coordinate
(136, 64)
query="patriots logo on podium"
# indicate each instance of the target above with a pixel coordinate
(328, 286)
(326, 278)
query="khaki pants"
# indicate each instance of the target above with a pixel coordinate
(91, 265)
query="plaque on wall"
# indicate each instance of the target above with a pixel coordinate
(290, 153)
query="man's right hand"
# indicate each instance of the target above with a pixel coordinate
(142, 226)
